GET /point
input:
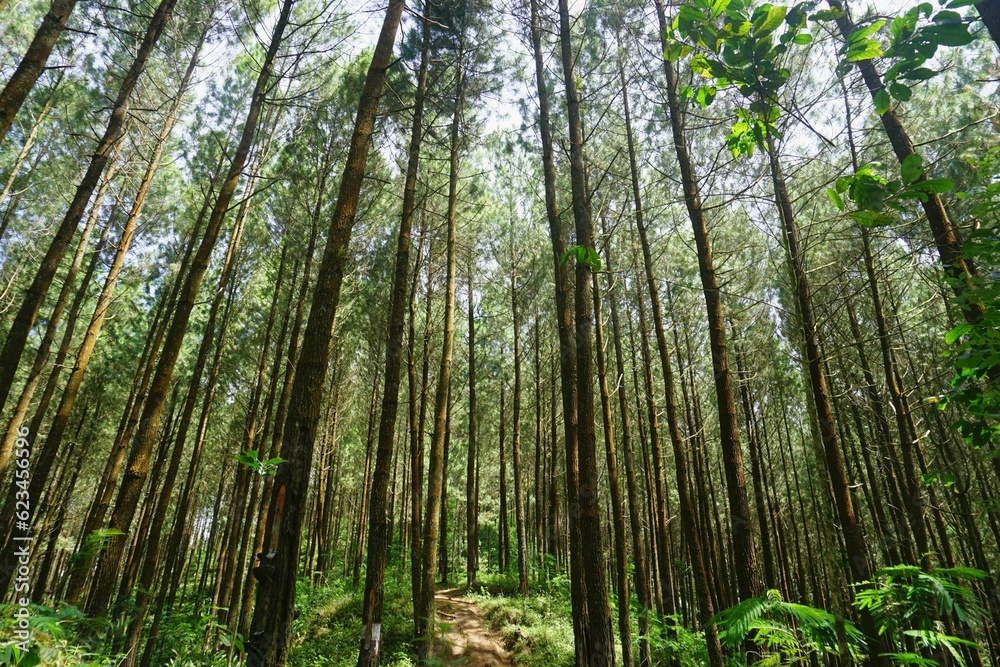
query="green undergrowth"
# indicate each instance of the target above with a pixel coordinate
(60, 636)
(328, 629)
(538, 629)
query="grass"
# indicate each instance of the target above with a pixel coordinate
(538, 629)
(328, 631)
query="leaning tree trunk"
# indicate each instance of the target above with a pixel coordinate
(377, 524)
(26, 315)
(139, 455)
(857, 552)
(33, 62)
(949, 246)
(277, 569)
(81, 571)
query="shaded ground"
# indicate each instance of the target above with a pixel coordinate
(467, 642)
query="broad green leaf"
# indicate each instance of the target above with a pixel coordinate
(718, 7)
(900, 92)
(691, 15)
(950, 34)
(835, 197)
(935, 185)
(957, 333)
(705, 95)
(870, 49)
(771, 20)
(919, 74)
(673, 51)
(803, 38)
(882, 102)
(945, 16)
(911, 168)
(702, 66)
(860, 34)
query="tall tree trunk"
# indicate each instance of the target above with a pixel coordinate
(270, 630)
(756, 469)
(567, 346)
(151, 564)
(857, 552)
(33, 63)
(435, 468)
(949, 246)
(172, 558)
(138, 461)
(416, 426)
(519, 516)
(503, 531)
(600, 636)
(471, 488)
(539, 494)
(26, 315)
(365, 481)
(377, 542)
(747, 573)
(443, 560)
(621, 557)
(635, 511)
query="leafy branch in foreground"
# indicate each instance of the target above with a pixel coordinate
(263, 468)
(909, 603)
(787, 628)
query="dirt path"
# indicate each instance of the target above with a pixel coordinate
(468, 642)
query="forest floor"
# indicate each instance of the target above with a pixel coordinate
(467, 641)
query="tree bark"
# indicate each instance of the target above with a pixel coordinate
(586, 507)
(26, 315)
(270, 630)
(33, 63)
(436, 464)
(948, 244)
(139, 455)
(377, 543)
